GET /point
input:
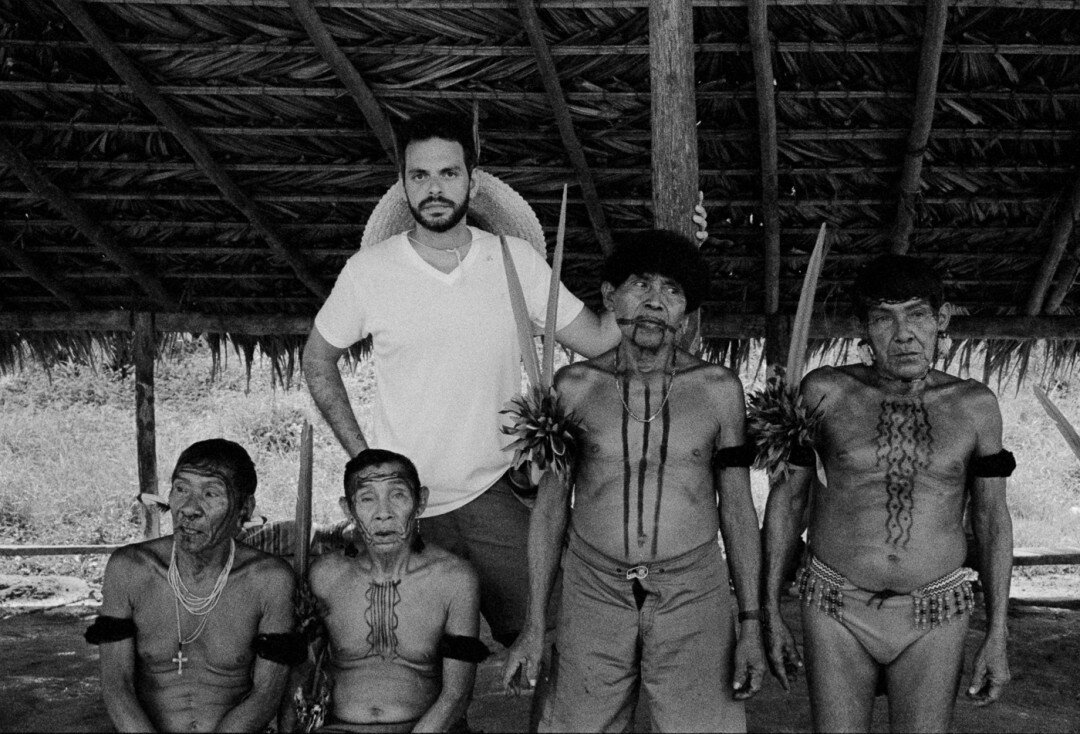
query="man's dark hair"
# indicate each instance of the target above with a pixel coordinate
(662, 252)
(444, 127)
(378, 457)
(226, 460)
(895, 279)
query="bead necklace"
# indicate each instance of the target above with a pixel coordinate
(667, 390)
(198, 606)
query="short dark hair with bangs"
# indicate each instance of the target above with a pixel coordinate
(451, 127)
(662, 252)
(226, 460)
(895, 279)
(379, 457)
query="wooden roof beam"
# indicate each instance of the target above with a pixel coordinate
(1060, 234)
(937, 15)
(27, 264)
(189, 139)
(550, 77)
(74, 213)
(305, 12)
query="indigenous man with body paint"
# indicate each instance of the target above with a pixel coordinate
(646, 603)
(196, 629)
(885, 597)
(401, 615)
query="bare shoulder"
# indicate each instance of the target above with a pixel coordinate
(452, 573)
(973, 397)
(326, 570)
(269, 572)
(574, 380)
(128, 563)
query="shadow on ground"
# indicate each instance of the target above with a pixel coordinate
(49, 680)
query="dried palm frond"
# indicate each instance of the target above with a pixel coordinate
(546, 435)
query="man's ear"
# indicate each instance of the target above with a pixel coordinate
(944, 314)
(607, 293)
(343, 503)
(474, 183)
(246, 508)
(421, 505)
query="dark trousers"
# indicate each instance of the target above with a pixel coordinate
(491, 532)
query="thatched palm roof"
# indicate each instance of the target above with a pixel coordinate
(235, 180)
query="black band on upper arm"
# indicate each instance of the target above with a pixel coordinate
(730, 456)
(1000, 464)
(802, 456)
(110, 629)
(287, 648)
(462, 647)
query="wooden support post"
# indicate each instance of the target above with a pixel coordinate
(765, 87)
(145, 430)
(674, 124)
(937, 13)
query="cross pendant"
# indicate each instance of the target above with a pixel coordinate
(179, 659)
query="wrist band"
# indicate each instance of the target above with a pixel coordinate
(750, 614)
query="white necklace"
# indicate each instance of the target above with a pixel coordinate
(456, 250)
(667, 391)
(198, 606)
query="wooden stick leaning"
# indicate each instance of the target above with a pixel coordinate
(1063, 425)
(302, 540)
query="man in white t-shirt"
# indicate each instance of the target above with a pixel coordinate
(446, 356)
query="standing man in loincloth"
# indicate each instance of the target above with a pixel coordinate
(196, 629)
(885, 597)
(401, 615)
(646, 604)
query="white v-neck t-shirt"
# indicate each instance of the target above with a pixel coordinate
(446, 354)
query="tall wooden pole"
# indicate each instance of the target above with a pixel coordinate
(777, 326)
(145, 429)
(674, 122)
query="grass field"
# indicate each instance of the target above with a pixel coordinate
(68, 467)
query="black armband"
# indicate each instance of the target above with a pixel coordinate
(1000, 464)
(802, 456)
(731, 456)
(110, 629)
(462, 647)
(287, 648)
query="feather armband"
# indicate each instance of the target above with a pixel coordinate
(783, 428)
(546, 435)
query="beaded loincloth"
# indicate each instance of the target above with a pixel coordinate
(932, 605)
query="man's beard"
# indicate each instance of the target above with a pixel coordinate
(457, 213)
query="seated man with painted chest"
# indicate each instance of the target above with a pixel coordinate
(401, 616)
(196, 629)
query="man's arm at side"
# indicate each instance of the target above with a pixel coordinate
(547, 529)
(739, 527)
(328, 391)
(462, 618)
(255, 711)
(118, 658)
(993, 534)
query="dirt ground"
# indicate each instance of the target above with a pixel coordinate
(49, 681)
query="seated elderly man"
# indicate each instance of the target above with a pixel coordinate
(196, 629)
(401, 616)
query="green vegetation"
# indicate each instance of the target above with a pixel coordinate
(68, 468)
